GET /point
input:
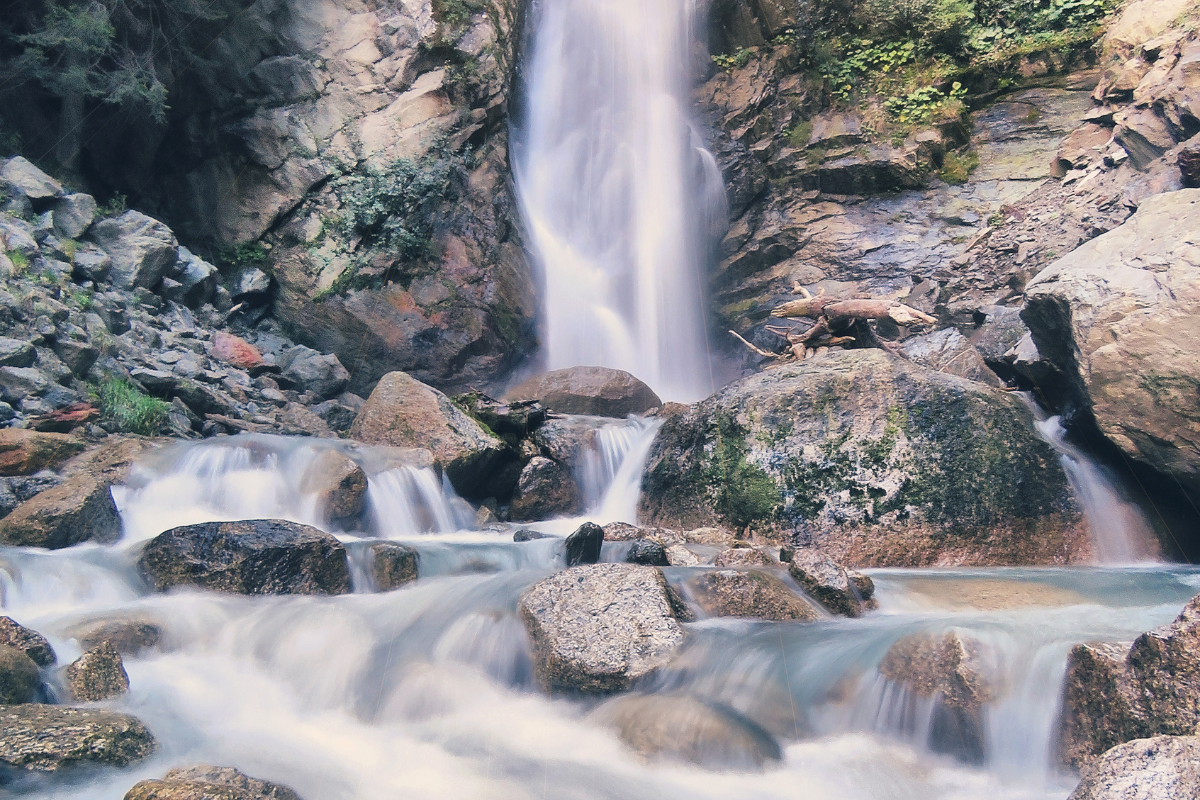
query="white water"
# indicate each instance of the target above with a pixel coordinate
(619, 195)
(610, 474)
(426, 692)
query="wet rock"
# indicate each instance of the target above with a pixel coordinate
(644, 551)
(209, 783)
(392, 565)
(680, 556)
(16, 353)
(950, 669)
(339, 484)
(130, 636)
(403, 412)
(47, 738)
(903, 466)
(309, 371)
(566, 439)
(235, 351)
(838, 589)
(681, 728)
(251, 284)
(18, 676)
(1110, 315)
(583, 546)
(142, 249)
(518, 417)
(248, 557)
(28, 641)
(597, 391)
(24, 452)
(98, 674)
(743, 557)
(526, 535)
(73, 215)
(737, 593)
(599, 628)
(22, 177)
(80, 509)
(1161, 768)
(545, 489)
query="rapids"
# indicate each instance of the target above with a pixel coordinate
(427, 691)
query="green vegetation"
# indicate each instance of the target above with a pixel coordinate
(453, 16)
(20, 262)
(121, 402)
(115, 206)
(957, 167)
(735, 60)
(245, 255)
(744, 492)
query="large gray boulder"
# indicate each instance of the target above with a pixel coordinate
(545, 489)
(73, 215)
(22, 177)
(261, 556)
(48, 738)
(597, 391)
(1120, 318)
(142, 249)
(870, 458)
(209, 783)
(98, 674)
(403, 412)
(601, 627)
(1161, 768)
(311, 371)
(80, 509)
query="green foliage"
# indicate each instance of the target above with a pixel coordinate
(121, 403)
(69, 248)
(115, 206)
(745, 492)
(957, 167)
(799, 135)
(863, 58)
(245, 255)
(927, 104)
(83, 299)
(733, 61)
(453, 16)
(19, 260)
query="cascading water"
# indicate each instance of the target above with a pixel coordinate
(610, 473)
(619, 195)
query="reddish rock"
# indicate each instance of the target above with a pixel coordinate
(235, 351)
(24, 452)
(66, 419)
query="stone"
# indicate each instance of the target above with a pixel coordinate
(682, 728)
(403, 412)
(254, 557)
(337, 415)
(250, 284)
(873, 460)
(1118, 317)
(339, 484)
(644, 551)
(209, 783)
(91, 263)
(597, 391)
(830, 584)
(16, 353)
(1161, 768)
(197, 279)
(323, 375)
(518, 417)
(527, 535)
(743, 557)
(73, 215)
(545, 489)
(1099, 706)
(129, 635)
(24, 178)
(98, 674)
(950, 669)
(48, 738)
(680, 556)
(19, 679)
(235, 351)
(24, 452)
(392, 565)
(600, 628)
(142, 249)
(79, 356)
(738, 593)
(80, 509)
(18, 383)
(583, 546)
(28, 641)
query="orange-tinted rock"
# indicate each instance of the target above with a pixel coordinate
(24, 452)
(235, 351)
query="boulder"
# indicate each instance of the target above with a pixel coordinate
(235, 351)
(545, 489)
(252, 284)
(80, 509)
(871, 458)
(527, 535)
(1120, 317)
(19, 679)
(583, 546)
(1161, 768)
(392, 565)
(737, 593)
(951, 670)
(98, 674)
(209, 783)
(742, 557)
(262, 556)
(339, 484)
(16, 353)
(22, 177)
(142, 249)
(519, 417)
(19, 383)
(47, 738)
(840, 590)
(73, 215)
(28, 641)
(566, 439)
(644, 551)
(91, 263)
(197, 279)
(24, 452)
(597, 391)
(79, 356)
(323, 375)
(601, 627)
(129, 635)
(403, 412)
(682, 728)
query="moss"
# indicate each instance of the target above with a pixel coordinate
(745, 494)
(19, 260)
(798, 136)
(957, 167)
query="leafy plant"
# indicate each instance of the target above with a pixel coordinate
(115, 206)
(245, 255)
(957, 167)
(121, 403)
(735, 60)
(19, 260)
(927, 104)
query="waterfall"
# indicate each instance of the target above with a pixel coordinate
(619, 195)
(408, 500)
(610, 473)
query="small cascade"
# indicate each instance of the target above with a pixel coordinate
(1120, 533)
(407, 500)
(610, 474)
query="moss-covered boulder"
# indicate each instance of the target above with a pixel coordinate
(872, 459)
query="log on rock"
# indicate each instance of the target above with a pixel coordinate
(829, 308)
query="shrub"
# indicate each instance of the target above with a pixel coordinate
(957, 167)
(114, 207)
(245, 255)
(19, 260)
(121, 403)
